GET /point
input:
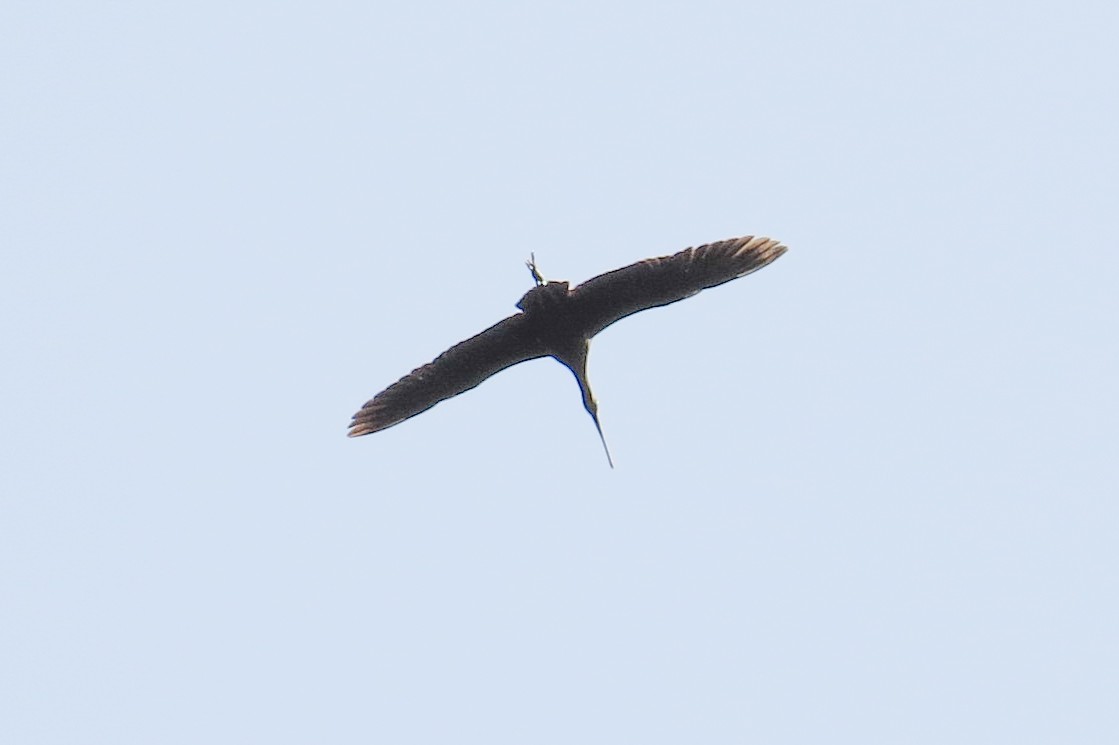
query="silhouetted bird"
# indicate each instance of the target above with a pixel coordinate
(560, 322)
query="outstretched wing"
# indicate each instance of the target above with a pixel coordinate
(610, 297)
(457, 370)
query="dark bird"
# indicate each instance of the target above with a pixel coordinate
(559, 322)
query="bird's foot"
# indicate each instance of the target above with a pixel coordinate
(531, 264)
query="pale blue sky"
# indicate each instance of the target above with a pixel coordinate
(867, 495)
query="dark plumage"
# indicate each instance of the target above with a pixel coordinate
(559, 322)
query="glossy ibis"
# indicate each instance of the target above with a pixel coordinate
(559, 322)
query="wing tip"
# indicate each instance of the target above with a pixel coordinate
(760, 244)
(364, 423)
(756, 251)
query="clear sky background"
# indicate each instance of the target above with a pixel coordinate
(867, 495)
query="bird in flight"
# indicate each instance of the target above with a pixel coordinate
(559, 322)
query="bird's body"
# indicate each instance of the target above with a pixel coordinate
(559, 322)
